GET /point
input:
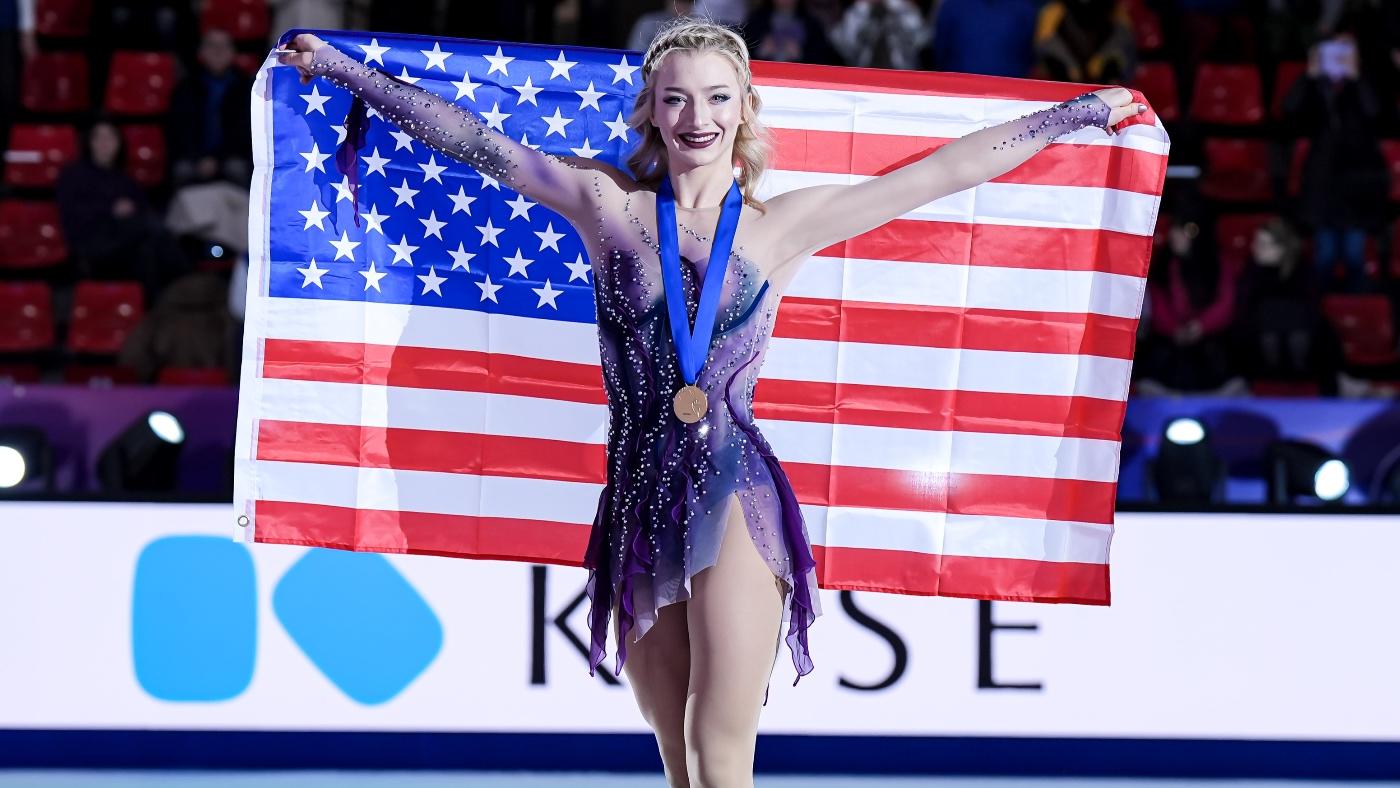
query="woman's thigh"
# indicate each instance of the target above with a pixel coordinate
(735, 616)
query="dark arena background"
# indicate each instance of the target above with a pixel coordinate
(1254, 633)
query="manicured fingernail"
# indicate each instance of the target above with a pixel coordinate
(1142, 108)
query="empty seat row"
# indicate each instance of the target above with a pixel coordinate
(245, 20)
(101, 316)
(1223, 93)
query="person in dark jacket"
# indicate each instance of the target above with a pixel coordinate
(110, 228)
(209, 118)
(1279, 326)
(784, 30)
(1345, 180)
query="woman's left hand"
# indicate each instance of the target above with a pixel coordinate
(1121, 105)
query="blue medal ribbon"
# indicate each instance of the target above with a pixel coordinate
(692, 347)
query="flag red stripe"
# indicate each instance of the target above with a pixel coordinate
(851, 153)
(1009, 246)
(924, 83)
(808, 401)
(908, 572)
(392, 531)
(815, 484)
(513, 539)
(442, 451)
(952, 327)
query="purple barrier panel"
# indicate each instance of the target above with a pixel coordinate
(80, 421)
(1364, 433)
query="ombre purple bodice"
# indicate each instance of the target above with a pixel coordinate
(660, 517)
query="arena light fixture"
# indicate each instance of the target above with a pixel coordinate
(145, 456)
(1299, 468)
(1186, 470)
(26, 461)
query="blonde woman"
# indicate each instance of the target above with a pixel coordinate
(698, 545)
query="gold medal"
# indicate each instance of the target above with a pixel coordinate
(690, 403)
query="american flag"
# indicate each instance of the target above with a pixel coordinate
(946, 392)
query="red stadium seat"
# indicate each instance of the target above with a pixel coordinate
(245, 20)
(1395, 252)
(1363, 324)
(1227, 93)
(1285, 75)
(30, 234)
(145, 153)
(1157, 82)
(192, 376)
(1147, 29)
(1160, 231)
(26, 317)
(1234, 233)
(1297, 156)
(1284, 388)
(56, 82)
(1391, 150)
(1236, 170)
(37, 152)
(104, 313)
(63, 18)
(97, 375)
(11, 374)
(248, 63)
(140, 83)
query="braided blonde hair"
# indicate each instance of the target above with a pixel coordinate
(752, 142)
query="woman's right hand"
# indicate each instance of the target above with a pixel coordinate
(305, 45)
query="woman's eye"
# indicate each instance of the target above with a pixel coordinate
(722, 97)
(672, 99)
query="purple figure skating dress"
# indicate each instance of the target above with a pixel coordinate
(661, 514)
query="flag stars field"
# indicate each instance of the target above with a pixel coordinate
(422, 208)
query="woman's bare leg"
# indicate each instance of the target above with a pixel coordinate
(658, 668)
(735, 615)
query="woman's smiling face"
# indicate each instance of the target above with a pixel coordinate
(697, 107)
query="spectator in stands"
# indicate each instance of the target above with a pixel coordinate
(1345, 181)
(993, 37)
(726, 12)
(17, 46)
(1192, 304)
(310, 14)
(1279, 327)
(110, 228)
(189, 326)
(647, 25)
(1086, 41)
(881, 34)
(208, 133)
(783, 30)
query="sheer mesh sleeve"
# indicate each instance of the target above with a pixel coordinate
(436, 122)
(1040, 127)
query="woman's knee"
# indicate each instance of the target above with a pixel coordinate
(721, 760)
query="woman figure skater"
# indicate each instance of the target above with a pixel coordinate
(698, 542)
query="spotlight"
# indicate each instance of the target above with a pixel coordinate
(1299, 468)
(1187, 470)
(26, 461)
(144, 457)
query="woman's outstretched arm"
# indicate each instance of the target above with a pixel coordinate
(815, 217)
(543, 177)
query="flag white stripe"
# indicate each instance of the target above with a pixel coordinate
(1010, 372)
(969, 286)
(575, 502)
(848, 445)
